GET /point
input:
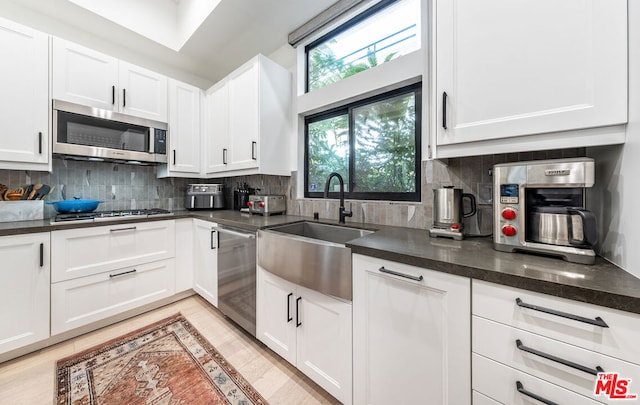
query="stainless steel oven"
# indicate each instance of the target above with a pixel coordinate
(237, 276)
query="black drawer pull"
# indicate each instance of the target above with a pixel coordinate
(40, 143)
(530, 394)
(289, 317)
(395, 273)
(124, 97)
(42, 255)
(597, 321)
(592, 371)
(123, 273)
(113, 95)
(298, 322)
(444, 109)
(131, 228)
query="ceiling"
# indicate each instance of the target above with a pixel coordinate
(234, 32)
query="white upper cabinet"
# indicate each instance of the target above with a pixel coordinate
(24, 106)
(248, 122)
(510, 69)
(84, 76)
(216, 137)
(184, 130)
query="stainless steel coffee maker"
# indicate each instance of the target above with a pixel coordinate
(448, 212)
(539, 206)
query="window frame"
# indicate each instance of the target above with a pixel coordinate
(340, 29)
(415, 196)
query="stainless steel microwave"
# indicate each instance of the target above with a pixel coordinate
(88, 133)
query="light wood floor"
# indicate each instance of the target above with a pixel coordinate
(29, 380)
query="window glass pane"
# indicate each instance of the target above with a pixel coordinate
(385, 146)
(389, 33)
(328, 151)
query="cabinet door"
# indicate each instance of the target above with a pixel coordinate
(24, 106)
(205, 273)
(216, 137)
(324, 351)
(184, 127)
(276, 314)
(24, 290)
(518, 68)
(84, 300)
(84, 76)
(411, 338)
(244, 116)
(143, 93)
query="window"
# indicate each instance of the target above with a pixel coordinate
(373, 144)
(382, 33)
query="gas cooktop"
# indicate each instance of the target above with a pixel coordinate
(97, 216)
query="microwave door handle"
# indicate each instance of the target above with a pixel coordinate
(210, 201)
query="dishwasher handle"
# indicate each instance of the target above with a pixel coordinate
(236, 232)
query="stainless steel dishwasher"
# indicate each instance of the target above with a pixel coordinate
(237, 276)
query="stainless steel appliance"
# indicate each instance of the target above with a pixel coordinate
(237, 276)
(267, 204)
(88, 133)
(448, 212)
(99, 216)
(204, 197)
(539, 207)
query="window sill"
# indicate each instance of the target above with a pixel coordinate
(405, 70)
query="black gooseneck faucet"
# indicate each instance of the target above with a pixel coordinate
(342, 213)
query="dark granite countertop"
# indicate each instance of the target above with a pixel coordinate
(601, 283)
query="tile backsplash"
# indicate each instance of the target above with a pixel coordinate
(123, 186)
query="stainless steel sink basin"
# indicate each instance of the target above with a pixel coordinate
(324, 232)
(310, 254)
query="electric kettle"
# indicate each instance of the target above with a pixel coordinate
(448, 211)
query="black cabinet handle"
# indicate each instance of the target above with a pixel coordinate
(298, 323)
(212, 246)
(395, 273)
(289, 317)
(253, 150)
(113, 95)
(123, 273)
(224, 156)
(530, 394)
(124, 97)
(174, 157)
(42, 255)
(444, 109)
(597, 321)
(40, 143)
(585, 369)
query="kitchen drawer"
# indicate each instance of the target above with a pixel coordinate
(498, 342)
(86, 251)
(499, 383)
(84, 300)
(481, 399)
(620, 339)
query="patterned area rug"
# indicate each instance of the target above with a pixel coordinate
(168, 362)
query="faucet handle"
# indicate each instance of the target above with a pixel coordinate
(350, 212)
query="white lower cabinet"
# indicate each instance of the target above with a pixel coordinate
(102, 271)
(310, 330)
(553, 346)
(81, 301)
(411, 334)
(205, 271)
(24, 290)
